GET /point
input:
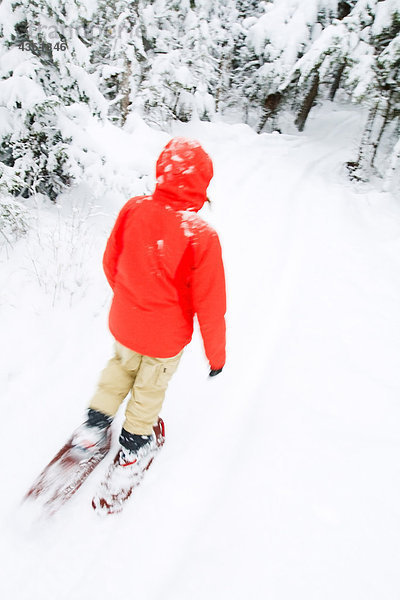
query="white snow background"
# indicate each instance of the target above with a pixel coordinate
(280, 478)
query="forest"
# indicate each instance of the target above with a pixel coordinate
(268, 64)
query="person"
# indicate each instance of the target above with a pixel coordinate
(164, 265)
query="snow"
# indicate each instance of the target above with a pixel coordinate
(6, 122)
(384, 15)
(20, 89)
(283, 29)
(87, 85)
(280, 477)
(8, 19)
(14, 61)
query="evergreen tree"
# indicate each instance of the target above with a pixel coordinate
(218, 22)
(62, 63)
(44, 72)
(373, 79)
(308, 51)
(166, 90)
(278, 39)
(125, 33)
(188, 61)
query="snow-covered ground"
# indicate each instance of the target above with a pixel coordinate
(280, 478)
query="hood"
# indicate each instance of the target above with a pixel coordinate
(183, 173)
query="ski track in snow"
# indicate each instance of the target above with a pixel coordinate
(280, 478)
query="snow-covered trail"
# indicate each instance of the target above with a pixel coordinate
(280, 478)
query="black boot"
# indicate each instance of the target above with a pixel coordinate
(132, 441)
(95, 418)
(94, 434)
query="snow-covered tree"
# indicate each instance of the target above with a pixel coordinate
(374, 79)
(299, 51)
(322, 64)
(278, 39)
(183, 73)
(44, 71)
(124, 33)
(170, 60)
(220, 30)
(64, 63)
(359, 51)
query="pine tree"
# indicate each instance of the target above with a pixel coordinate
(45, 62)
(245, 60)
(119, 52)
(188, 62)
(279, 39)
(167, 84)
(220, 28)
(180, 59)
(375, 81)
(309, 51)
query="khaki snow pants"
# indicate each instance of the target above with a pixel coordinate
(145, 377)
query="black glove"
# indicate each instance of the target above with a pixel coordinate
(214, 372)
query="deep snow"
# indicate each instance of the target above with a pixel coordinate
(279, 478)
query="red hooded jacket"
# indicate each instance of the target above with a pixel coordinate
(164, 262)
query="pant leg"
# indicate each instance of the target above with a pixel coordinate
(148, 393)
(116, 380)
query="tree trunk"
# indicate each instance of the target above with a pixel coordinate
(393, 164)
(336, 82)
(365, 149)
(369, 142)
(271, 106)
(125, 91)
(385, 119)
(307, 103)
(246, 113)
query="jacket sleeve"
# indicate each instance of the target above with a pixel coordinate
(209, 298)
(114, 247)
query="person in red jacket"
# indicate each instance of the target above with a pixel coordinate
(164, 265)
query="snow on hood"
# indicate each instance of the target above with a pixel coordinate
(183, 173)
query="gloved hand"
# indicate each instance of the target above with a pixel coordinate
(215, 372)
